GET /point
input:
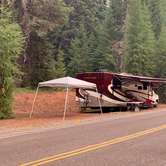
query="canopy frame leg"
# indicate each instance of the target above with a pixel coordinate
(65, 104)
(99, 101)
(34, 102)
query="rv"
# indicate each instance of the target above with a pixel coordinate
(118, 90)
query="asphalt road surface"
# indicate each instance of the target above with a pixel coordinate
(133, 140)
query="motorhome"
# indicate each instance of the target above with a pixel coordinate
(118, 90)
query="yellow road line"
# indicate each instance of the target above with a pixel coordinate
(92, 147)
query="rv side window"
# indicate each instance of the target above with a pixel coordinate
(139, 87)
(116, 82)
(145, 85)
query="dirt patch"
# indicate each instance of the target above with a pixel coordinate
(46, 104)
(49, 107)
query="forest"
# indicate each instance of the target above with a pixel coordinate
(47, 39)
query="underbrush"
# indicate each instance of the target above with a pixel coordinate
(89, 110)
(41, 90)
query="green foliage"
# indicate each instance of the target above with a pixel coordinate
(156, 17)
(27, 90)
(148, 45)
(80, 53)
(119, 14)
(133, 38)
(37, 17)
(40, 64)
(42, 15)
(102, 55)
(89, 110)
(60, 70)
(86, 14)
(163, 12)
(140, 41)
(11, 44)
(106, 56)
(161, 52)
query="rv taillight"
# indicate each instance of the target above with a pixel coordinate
(101, 96)
(78, 96)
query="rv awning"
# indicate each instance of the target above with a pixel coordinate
(66, 82)
(128, 77)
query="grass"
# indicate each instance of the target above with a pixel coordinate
(89, 110)
(40, 90)
(24, 115)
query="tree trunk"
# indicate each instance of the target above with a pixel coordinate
(21, 57)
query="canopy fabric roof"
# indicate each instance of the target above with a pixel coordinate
(67, 82)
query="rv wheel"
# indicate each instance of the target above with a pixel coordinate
(106, 109)
(155, 105)
(128, 107)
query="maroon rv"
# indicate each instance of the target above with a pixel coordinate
(117, 90)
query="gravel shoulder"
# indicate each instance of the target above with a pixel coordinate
(21, 124)
(48, 112)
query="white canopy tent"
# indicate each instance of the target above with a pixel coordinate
(66, 82)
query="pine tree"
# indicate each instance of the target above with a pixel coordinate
(103, 58)
(39, 16)
(140, 41)
(163, 12)
(148, 45)
(160, 62)
(80, 53)
(88, 13)
(155, 8)
(11, 44)
(108, 53)
(60, 69)
(40, 64)
(161, 58)
(119, 15)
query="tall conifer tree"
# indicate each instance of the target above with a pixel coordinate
(155, 8)
(80, 53)
(60, 69)
(11, 44)
(40, 64)
(39, 16)
(108, 52)
(140, 41)
(87, 14)
(103, 58)
(161, 62)
(148, 45)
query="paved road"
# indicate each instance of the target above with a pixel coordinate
(132, 140)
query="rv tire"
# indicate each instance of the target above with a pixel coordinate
(106, 109)
(128, 107)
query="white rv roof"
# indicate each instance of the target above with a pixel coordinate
(140, 78)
